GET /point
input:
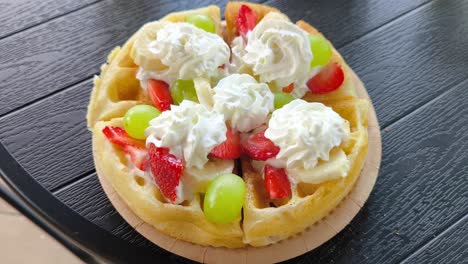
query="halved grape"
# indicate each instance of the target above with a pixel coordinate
(137, 118)
(203, 22)
(321, 50)
(281, 99)
(183, 90)
(224, 199)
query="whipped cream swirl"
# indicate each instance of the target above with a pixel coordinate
(189, 130)
(278, 52)
(243, 101)
(305, 133)
(188, 52)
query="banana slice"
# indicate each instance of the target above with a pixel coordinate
(197, 180)
(204, 92)
(140, 52)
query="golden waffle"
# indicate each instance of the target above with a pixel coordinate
(264, 221)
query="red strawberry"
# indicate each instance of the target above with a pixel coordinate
(229, 149)
(289, 88)
(135, 148)
(246, 20)
(167, 170)
(159, 94)
(276, 182)
(258, 147)
(327, 80)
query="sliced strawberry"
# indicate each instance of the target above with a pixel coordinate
(167, 170)
(289, 88)
(135, 148)
(258, 147)
(246, 20)
(276, 182)
(159, 94)
(327, 80)
(229, 149)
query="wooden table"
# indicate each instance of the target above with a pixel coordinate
(412, 56)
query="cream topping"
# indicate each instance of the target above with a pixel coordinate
(305, 133)
(243, 101)
(188, 52)
(189, 130)
(278, 52)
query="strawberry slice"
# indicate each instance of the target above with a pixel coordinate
(167, 170)
(276, 182)
(135, 148)
(246, 20)
(289, 88)
(159, 94)
(327, 80)
(258, 147)
(229, 149)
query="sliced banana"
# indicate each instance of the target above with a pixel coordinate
(197, 180)
(204, 92)
(140, 52)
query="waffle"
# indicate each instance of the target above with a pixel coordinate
(264, 221)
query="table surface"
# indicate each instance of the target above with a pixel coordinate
(411, 55)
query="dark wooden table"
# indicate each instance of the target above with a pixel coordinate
(411, 54)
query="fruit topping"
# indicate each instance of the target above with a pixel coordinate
(183, 90)
(229, 149)
(224, 199)
(276, 182)
(246, 20)
(137, 118)
(202, 22)
(159, 94)
(321, 50)
(134, 148)
(258, 147)
(327, 80)
(282, 99)
(167, 170)
(289, 88)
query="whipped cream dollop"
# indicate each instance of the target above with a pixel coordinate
(278, 52)
(244, 102)
(305, 133)
(189, 130)
(188, 52)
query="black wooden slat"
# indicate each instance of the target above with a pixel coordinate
(343, 21)
(50, 139)
(412, 60)
(69, 49)
(16, 15)
(449, 247)
(421, 189)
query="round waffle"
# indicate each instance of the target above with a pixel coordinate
(264, 222)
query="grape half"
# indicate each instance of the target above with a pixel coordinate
(281, 99)
(137, 118)
(224, 199)
(183, 90)
(321, 50)
(203, 22)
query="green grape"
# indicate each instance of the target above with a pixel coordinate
(137, 119)
(321, 50)
(281, 99)
(203, 22)
(224, 199)
(183, 90)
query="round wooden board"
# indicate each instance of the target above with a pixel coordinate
(311, 238)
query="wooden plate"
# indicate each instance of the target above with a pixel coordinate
(302, 243)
